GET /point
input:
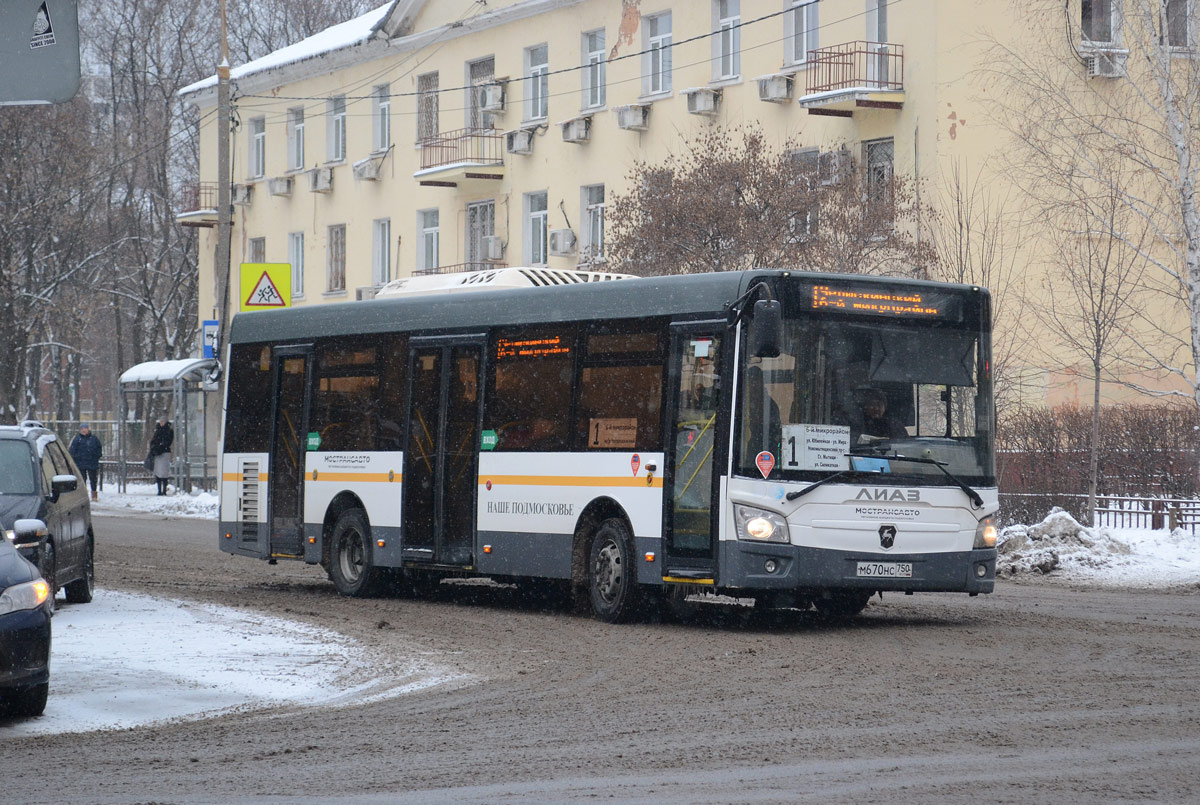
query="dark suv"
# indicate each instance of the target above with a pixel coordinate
(38, 480)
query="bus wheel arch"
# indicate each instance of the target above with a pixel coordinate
(603, 569)
(349, 554)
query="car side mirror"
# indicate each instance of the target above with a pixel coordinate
(766, 329)
(63, 483)
(28, 531)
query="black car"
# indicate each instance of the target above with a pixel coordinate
(39, 480)
(24, 635)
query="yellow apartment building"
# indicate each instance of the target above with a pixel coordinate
(432, 136)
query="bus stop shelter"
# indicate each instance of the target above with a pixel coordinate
(182, 382)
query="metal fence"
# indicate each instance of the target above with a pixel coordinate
(1111, 510)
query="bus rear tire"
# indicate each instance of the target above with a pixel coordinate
(842, 605)
(350, 567)
(612, 573)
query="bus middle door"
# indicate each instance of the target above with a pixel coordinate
(442, 455)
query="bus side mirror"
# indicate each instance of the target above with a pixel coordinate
(766, 329)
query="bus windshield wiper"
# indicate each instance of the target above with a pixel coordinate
(799, 493)
(941, 465)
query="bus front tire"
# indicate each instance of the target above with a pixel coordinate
(350, 566)
(612, 573)
(842, 605)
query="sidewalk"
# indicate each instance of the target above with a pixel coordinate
(143, 498)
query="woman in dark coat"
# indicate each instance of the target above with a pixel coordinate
(160, 452)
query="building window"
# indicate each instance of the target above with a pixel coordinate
(593, 223)
(381, 251)
(427, 106)
(535, 228)
(803, 30)
(295, 118)
(427, 249)
(479, 74)
(335, 150)
(381, 116)
(296, 258)
(877, 20)
(256, 250)
(878, 158)
(595, 69)
(537, 86)
(258, 147)
(1175, 20)
(335, 259)
(481, 224)
(656, 64)
(727, 44)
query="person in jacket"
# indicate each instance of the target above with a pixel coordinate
(86, 449)
(160, 452)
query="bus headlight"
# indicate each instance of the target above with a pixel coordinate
(759, 525)
(985, 534)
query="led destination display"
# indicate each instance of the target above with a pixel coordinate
(909, 303)
(531, 347)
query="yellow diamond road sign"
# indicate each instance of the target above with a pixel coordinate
(265, 286)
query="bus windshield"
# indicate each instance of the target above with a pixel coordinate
(846, 392)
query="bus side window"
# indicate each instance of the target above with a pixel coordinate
(248, 419)
(529, 400)
(620, 402)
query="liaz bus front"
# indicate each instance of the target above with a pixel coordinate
(862, 442)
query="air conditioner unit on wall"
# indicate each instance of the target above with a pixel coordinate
(519, 141)
(577, 130)
(1105, 64)
(493, 98)
(493, 247)
(242, 193)
(279, 185)
(562, 242)
(775, 88)
(365, 292)
(368, 169)
(320, 180)
(702, 100)
(635, 117)
(834, 166)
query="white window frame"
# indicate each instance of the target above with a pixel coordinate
(335, 259)
(727, 39)
(428, 237)
(481, 227)
(803, 30)
(256, 250)
(1189, 22)
(877, 21)
(295, 118)
(592, 215)
(296, 259)
(428, 108)
(595, 69)
(258, 147)
(536, 228)
(537, 82)
(335, 142)
(381, 251)
(656, 59)
(381, 117)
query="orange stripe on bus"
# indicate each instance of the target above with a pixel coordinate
(349, 477)
(238, 478)
(571, 480)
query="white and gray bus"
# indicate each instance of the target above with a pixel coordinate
(800, 439)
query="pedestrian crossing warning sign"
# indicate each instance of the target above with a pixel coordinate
(266, 286)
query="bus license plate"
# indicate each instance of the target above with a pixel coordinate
(886, 570)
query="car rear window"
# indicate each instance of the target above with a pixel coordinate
(16, 469)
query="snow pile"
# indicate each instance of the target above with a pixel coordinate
(1060, 546)
(144, 498)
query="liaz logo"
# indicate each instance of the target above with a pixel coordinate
(889, 493)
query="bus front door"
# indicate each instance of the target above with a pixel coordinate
(442, 455)
(285, 484)
(693, 450)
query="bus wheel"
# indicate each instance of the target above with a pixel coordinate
(612, 573)
(350, 567)
(842, 605)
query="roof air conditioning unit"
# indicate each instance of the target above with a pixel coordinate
(493, 247)
(242, 193)
(279, 185)
(562, 242)
(775, 88)
(577, 130)
(368, 169)
(1105, 64)
(519, 141)
(493, 98)
(635, 117)
(320, 180)
(702, 100)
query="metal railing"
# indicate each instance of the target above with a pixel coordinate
(199, 196)
(458, 268)
(476, 146)
(1111, 510)
(871, 65)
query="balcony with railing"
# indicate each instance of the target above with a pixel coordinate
(459, 268)
(197, 204)
(453, 157)
(853, 76)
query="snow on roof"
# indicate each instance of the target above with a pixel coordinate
(153, 371)
(343, 35)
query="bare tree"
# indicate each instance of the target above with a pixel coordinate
(257, 27)
(726, 200)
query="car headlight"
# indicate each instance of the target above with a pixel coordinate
(30, 595)
(985, 534)
(760, 525)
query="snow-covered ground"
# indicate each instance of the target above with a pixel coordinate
(143, 498)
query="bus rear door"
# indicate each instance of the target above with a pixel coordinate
(289, 424)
